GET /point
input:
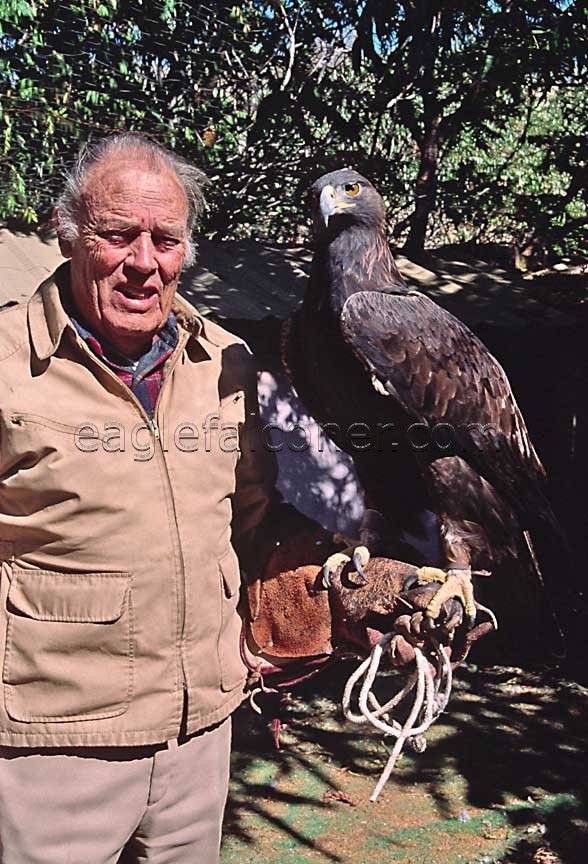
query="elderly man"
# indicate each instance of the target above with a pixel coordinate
(120, 475)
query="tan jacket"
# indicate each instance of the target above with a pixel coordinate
(119, 582)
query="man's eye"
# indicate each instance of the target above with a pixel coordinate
(115, 237)
(166, 242)
(352, 188)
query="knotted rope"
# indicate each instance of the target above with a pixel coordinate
(430, 694)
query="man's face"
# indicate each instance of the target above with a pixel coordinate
(127, 260)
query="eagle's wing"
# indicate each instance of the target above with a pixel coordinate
(440, 372)
(294, 355)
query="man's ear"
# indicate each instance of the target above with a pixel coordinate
(65, 246)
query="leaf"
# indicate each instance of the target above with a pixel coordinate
(30, 216)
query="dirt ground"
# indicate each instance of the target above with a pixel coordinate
(503, 779)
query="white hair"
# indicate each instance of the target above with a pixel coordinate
(129, 145)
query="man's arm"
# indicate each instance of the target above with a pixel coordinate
(256, 501)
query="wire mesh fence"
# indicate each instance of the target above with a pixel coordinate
(190, 75)
(476, 115)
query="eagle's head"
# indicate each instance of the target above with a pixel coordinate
(344, 198)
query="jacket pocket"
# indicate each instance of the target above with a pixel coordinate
(232, 417)
(232, 667)
(69, 646)
(37, 421)
(232, 407)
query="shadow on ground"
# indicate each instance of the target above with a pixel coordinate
(503, 779)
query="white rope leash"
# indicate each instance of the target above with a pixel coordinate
(431, 695)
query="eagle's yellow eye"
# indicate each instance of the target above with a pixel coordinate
(351, 188)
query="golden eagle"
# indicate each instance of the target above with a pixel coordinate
(425, 410)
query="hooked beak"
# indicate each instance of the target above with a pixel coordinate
(330, 204)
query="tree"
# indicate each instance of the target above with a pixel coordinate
(441, 66)
(451, 108)
(74, 70)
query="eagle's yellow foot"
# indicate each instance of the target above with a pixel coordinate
(455, 583)
(359, 555)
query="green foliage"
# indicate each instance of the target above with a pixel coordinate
(470, 117)
(460, 69)
(74, 70)
(527, 182)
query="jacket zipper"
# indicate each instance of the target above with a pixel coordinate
(153, 424)
(176, 531)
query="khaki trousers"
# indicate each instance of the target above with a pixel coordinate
(162, 805)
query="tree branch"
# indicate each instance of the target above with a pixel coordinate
(291, 30)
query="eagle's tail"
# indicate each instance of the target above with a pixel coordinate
(552, 563)
(529, 574)
(549, 563)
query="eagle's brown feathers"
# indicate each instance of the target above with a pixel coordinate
(365, 349)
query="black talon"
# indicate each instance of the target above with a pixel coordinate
(454, 611)
(326, 577)
(359, 567)
(410, 581)
(428, 624)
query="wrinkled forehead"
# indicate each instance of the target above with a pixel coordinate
(132, 180)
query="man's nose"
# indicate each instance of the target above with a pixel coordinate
(143, 254)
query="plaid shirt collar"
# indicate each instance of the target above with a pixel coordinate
(144, 375)
(162, 346)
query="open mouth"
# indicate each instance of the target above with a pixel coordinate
(136, 298)
(136, 292)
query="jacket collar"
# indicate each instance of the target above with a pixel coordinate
(187, 317)
(48, 319)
